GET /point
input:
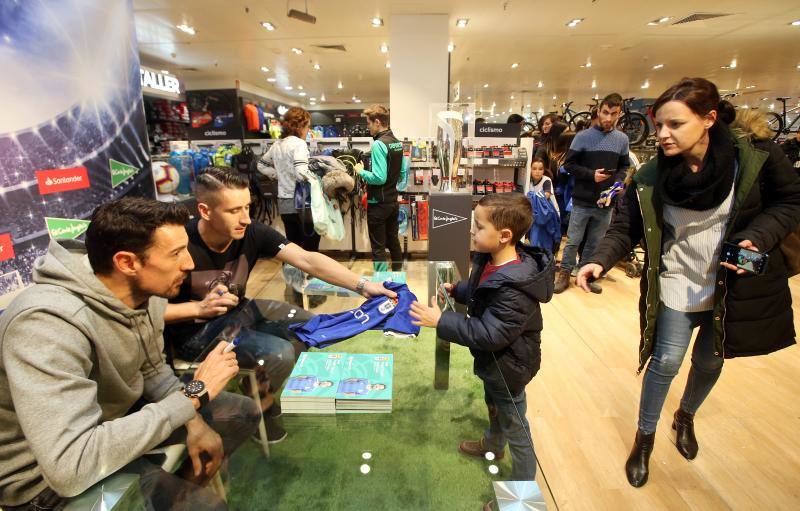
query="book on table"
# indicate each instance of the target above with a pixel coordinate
(330, 383)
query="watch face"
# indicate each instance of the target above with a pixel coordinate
(195, 387)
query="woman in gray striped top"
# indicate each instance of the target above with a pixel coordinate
(708, 185)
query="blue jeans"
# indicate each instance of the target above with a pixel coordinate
(591, 222)
(263, 345)
(507, 424)
(673, 334)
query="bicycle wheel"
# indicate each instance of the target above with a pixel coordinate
(581, 117)
(775, 123)
(634, 125)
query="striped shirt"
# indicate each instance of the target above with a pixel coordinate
(692, 245)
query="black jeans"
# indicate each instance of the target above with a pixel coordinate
(383, 225)
(234, 417)
(300, 230)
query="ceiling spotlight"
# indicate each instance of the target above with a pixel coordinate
(540, 85)
(339, 85)
(659, 21)
(269, 26)
(462, 22)
(554, 97)
(187, 29)
(302, 16)
(658, 66)
(469, 97)
(750, 87)
(322, 98)
(297, 51)
(795, 23)
(594, 84)
(272, 79)
(299, 87)
(451, 47)
(288, 87)
(515, 65)
(388, 64)
(377, 22)
(764, 99)
(384, 48)
(301, 93)
(528, 105)
(511, 97)
(265, 69)
(312, 99)
(574, 23)
(646, 84)
(316, 66)
(485, 85)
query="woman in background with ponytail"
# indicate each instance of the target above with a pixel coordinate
(709, 184)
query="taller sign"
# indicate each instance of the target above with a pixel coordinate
(154, 81)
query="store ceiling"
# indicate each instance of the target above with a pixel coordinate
(614, 37)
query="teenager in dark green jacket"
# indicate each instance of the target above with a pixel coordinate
(381, 179)
(707, 186)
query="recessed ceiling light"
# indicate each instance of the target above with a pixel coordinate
(384, 48)
(511, 97)
(297, 51)
(658, 66)
(339, 85)
(301, 93)
(485, 85)
(288, 87)
(451, 47)
(299, 87)
(377, 22)
(312, 99)
(540, 85)
(574, 23)
(272, 79)
(750, 87)
(554, 97)
(528, 105)
(795, 23)
(265, 69)
(322, 98)
(187, 29)
(646, 84)
(316, 66)
(515, 65)
(269, 26)
(764, 99)
(594, 84)
(462, 22)
(469, 97)
(659, 21)
(388, 64)
(358, 101)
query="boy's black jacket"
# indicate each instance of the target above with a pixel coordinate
(504, 319)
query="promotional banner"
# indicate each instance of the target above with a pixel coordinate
(72, 131)
(214, 114)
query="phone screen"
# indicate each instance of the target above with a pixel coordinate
(748, 260)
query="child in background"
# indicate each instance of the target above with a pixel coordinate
(546, 229)
(541, 183)
(503, 324)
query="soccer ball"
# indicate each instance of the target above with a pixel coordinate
(166, 177)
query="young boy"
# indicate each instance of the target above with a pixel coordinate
(503, 325)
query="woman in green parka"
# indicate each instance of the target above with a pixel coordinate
(708, 185)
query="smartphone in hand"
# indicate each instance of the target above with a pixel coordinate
(744, 259)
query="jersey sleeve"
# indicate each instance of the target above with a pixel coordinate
(377, 176)
(268, 241)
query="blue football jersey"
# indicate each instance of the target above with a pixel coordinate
(378, 313)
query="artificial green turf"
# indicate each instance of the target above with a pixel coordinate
(415, 461)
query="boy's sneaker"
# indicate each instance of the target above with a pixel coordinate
(274, 411)
(477, 449)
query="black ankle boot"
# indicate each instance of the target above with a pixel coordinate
(637, 466)
(685, 440)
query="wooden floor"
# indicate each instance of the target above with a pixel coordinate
(583, 406)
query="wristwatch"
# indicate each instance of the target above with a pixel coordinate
(360, 286)
(197, 388)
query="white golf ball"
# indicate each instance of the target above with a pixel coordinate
(365, 469)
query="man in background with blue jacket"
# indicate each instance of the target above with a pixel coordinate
(381, 179)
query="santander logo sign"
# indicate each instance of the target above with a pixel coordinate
(62, 180)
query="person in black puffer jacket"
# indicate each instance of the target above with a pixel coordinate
(503, 325)
(709, 184)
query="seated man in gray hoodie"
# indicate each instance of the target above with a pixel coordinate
(81, 352)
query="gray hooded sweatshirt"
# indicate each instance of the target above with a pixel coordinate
(73, 360)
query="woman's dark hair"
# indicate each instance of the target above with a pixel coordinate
(726, 112)
(515, 119)
(127, 225)
(294, 120)
(699, 94)
(552, 118)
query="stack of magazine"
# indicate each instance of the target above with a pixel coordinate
(323, 382)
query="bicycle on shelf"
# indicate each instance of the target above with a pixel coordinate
(779, 122)
(573, 117)
(633, 124)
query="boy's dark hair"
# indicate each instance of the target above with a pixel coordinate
(214, 179)
(128, 224)
(613, 100)
(509, 211)
(515, 119)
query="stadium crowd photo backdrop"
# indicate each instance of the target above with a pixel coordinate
(72, 128)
